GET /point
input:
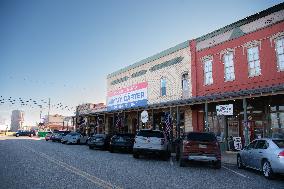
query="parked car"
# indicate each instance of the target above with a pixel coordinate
(151, 142)
(121, 142)
(47, 136)
(76, 138)
(25, 133)
(56, 137)
(202, 147)
(99, 141)
(266, 155)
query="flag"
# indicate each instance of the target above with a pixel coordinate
(118, 122)
(168, 122)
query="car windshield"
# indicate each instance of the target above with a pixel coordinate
(279, 143)
(208, 137)
(157, 134)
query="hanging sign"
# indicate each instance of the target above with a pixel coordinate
(225, 109)
(129, 97)
(144, 116)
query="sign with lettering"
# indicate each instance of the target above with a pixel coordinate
(128, 97)
(237, 143)
(225, 109)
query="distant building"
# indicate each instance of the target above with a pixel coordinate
(54, 122)
(17, 120)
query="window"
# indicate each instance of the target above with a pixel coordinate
(261, 144)
(229, 67)
(163, 87)
(280, 54)
(208, 77)
(184, 82)
(251, 145)
(253, 62)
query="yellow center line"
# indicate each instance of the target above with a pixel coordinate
(91, 178)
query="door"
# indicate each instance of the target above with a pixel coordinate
(247, 154)
(259, 153)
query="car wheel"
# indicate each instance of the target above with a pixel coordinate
(239, 162)
(267, 170)
(164, 156)
(17, 135)
(111, 150)
(182, 162)
(136, 155)
(91, 147)
(217, 164)
(46, 140)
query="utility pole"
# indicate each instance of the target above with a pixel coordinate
(48, 110)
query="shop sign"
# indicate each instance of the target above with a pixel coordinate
(237, 143)
(128, 97)
(144, 116)
(225, 109)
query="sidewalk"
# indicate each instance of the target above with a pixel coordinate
(229, 157)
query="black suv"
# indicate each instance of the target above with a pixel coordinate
(25, 133)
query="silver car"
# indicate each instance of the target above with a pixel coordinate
(266, 155)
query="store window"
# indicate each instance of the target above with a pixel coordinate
(184, 82)
(280, 54)
(208, 75)
(277, 119)
(229, 66)
(253, 61)
(163, 87)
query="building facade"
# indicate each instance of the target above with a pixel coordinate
(150, 85)
(241, 64)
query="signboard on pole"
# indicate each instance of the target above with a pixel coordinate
(144, 116)
(128, 97)
(225, 109)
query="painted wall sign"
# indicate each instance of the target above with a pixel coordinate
(225, 109)
(128, 97)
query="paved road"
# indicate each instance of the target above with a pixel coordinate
(29, 163)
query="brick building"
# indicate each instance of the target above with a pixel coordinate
(241, 64)
(154, 84)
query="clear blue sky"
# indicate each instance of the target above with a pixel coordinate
(63, 49)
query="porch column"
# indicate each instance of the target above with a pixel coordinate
(206, 117)
(245, 121)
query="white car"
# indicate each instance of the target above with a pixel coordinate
(76, 138)
(266, 155)
(151, 142)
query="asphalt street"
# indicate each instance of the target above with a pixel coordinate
(31, 163)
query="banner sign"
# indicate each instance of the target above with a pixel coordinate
(225, 109)
(129, 97)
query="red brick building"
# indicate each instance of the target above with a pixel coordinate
(241, 64)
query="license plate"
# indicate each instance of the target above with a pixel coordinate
(202, 146)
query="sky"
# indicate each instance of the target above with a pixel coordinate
(62, 50)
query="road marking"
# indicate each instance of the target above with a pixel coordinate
(240, 174)
(91, 178)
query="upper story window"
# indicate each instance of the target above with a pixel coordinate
(253, 61)
(229, 66)
(184, 82)
(208, 75)
(280, 53)
(163, 87)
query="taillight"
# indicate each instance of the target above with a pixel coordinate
(162, 141)
(281, 154)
